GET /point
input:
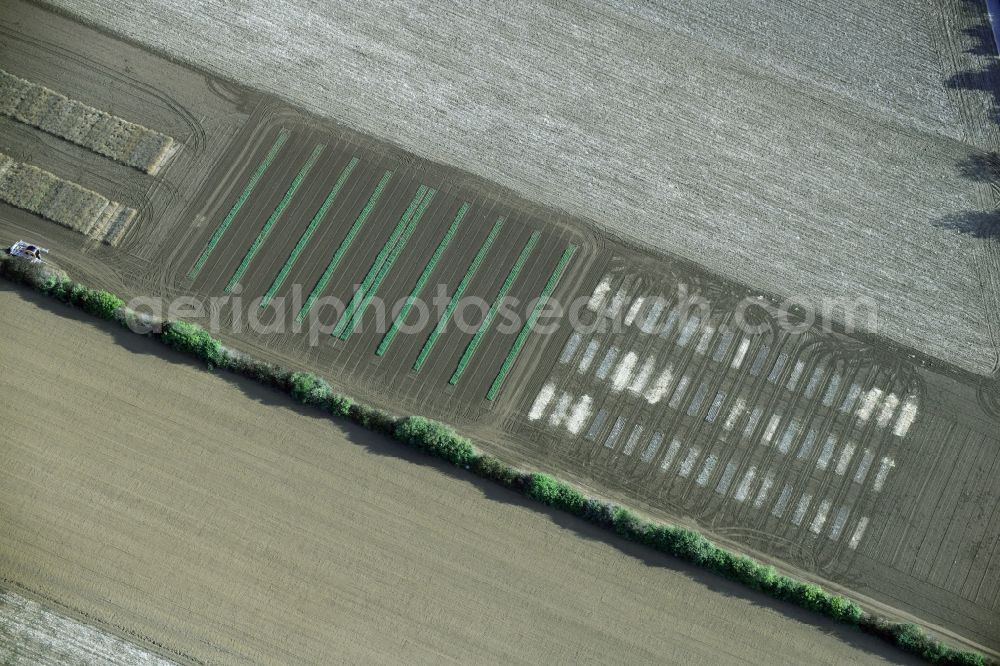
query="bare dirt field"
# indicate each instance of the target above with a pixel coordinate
(244, 530)
(807, 149)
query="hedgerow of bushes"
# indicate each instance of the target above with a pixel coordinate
(56, 283)
(441, 441)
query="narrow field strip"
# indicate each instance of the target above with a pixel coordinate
(62, 201)
(251, 184)
(308, 233)
(275, 216)
(522, 336)
(359, 294)
(422, 281)
(459, 290)
(106, 134)
(515, 270)
(344, 246)
(388, 264)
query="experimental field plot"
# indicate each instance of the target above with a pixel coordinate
(792, 439)
(435, 282)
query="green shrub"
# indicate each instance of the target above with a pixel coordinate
(309, 389)
(340, 405)
(372, 418)
(192, 339)
(628, 525)
(100, 303)
(911, 638)
(843, 609)
(490, 467)
(598, 512)
(555, 493)
(437, 439)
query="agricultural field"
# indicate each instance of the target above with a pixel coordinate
(840, 457)
(757, 138)
(63, 202)
(30, 633)
(108, 135)
(252, 531)
(304, 216)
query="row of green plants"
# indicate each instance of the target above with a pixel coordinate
(380, 258)
(457, 295)
(309, 231)
(235, 209)
(441, 441)
(387, 265)
(345, 245)
(522, 335)
(272, 220)
(491, 314)
(425, 275)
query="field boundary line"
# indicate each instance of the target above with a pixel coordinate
(279, 210)
(522, 336)
(344, 246)
(308, 233)
(359, 293)
(422, 280)
(247, 191)
(388, 264)
(491, 314)
(459, 290)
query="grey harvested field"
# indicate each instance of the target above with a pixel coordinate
(818, 151)
(33, 634)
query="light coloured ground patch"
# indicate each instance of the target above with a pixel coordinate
(33, 634)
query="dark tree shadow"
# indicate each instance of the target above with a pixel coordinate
(985, 224)
(978, 224)
(980, 167)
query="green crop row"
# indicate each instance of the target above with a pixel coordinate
(441, 441)
(491, 314)
(459, 290)
(522, 336)
(421, 281)
(273, 219)
(373, 270)
(344, 246)
(387, 266)
(308, 233)
(231, 215)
